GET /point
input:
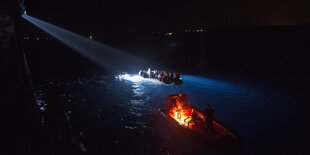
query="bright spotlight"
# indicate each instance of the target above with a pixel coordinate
(103, 55)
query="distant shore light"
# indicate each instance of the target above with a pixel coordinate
(169, 34)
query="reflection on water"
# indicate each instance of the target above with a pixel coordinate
(136, 79)
(120, 113)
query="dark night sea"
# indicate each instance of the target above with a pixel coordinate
(111, 114)
(121, 115)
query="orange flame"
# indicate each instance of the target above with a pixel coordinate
(181, 114)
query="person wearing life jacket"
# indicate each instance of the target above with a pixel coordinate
(159, 76)
(182, 97)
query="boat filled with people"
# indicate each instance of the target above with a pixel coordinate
(163, 76)
(198, 125)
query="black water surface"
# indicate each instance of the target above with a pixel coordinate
(270, 110)
(121, 115)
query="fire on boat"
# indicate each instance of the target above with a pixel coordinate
(193, 122)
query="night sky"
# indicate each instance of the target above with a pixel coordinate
(168, 15)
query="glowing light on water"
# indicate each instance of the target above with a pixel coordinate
(103, 55)
(137, 79)
(133, 78)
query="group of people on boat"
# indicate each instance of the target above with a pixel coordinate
(163, 76)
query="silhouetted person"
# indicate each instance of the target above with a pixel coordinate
(182, 98)
(161, 76)
(177, 76)
(194, 116)
(209, 113)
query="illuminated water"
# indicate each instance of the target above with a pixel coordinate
(120, 115)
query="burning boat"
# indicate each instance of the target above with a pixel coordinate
(192, 122)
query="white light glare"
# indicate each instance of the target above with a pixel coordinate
(133, 78)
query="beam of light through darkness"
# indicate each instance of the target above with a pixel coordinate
(103, 55)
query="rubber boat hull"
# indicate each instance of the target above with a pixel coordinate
(221, 138)
(174, 82)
